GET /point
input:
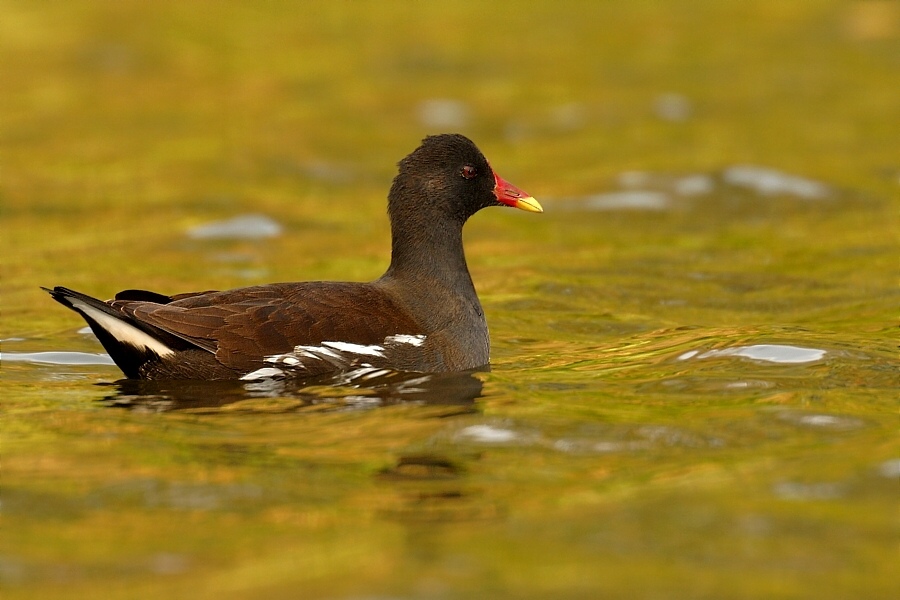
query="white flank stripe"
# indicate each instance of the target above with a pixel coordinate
(349, 376)
(364, 373)
(122, 331)
(336, 350)
(262, 373)
(375, 373)
(318, 351)
(402, 338)
(287, 359)
(356, 348)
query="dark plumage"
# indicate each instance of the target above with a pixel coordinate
(421, 315)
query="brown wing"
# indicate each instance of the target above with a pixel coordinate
(244, 325)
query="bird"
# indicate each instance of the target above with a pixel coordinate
(422, 315)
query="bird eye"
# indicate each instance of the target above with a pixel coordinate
(469, 172)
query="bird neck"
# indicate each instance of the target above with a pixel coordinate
(428, 274)
(431, 254)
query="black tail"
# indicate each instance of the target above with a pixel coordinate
(72, 299)
(130, 343)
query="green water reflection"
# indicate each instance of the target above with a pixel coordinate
(694, 382)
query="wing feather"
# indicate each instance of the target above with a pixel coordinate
(243, 326)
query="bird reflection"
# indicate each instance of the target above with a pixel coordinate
(342, 392)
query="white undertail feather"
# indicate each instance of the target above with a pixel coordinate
(122, 331)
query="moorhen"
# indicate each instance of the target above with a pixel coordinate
(422, 315)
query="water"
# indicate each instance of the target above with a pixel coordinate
(657, 412)
(695, 371)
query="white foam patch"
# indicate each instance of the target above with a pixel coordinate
(773, 353)
(57, 358)
(890, 468)
(242, 227)
(770, 182)
(122, 331)
(356, 348)
(263, 373)
(402, 338)
(488, 434)
(792, 490)
(628, 200)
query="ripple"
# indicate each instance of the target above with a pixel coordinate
(821, 421)
(747, 385)
(633, 439)
(623, 200)
(58, 358)
(570, 116)
(488, 434)
(774, 353)
(168, 563)
(672, 107)
(329, 172)
(709, 384)
(694, 185)
(890, 468)
(243, 227)
(771, 182)
(653, 191)
(582, 446)
(179, 495)
(792, 490)
(443, 112)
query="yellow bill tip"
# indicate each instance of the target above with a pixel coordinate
(530, 204)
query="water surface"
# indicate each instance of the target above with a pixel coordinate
(694, 380)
